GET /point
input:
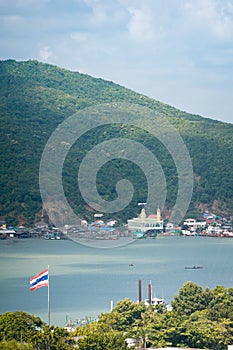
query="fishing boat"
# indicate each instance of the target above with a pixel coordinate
(194, 267)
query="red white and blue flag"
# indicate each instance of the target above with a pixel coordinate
(40, 280)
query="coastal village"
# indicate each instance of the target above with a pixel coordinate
(141, 227)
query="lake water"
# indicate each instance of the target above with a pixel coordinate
(84, 280)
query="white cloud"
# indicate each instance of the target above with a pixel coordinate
(45, 53)
(105, 13)
(169, 50)
(142, 25)
(99, 13)
(79, 36)
(216, 17)
(11, 19)
(23, 5)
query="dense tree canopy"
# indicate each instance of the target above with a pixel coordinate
(199, 319)
(18, 326)
(36, 97)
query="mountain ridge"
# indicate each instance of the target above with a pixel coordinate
(36, 97)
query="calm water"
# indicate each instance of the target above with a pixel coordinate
(84, 280)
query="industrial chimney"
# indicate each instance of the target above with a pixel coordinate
(149, 293)
(139, 291)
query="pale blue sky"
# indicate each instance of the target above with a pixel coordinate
(177, 51)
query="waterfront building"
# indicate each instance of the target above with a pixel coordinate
(146, 225)
(2, 225)
(194, 225)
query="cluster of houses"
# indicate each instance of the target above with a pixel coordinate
(210, 225)
(38, 230)
(143, 226)
(6, 231)
(152, 225)
(97, 229)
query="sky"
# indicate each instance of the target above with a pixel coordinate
(179, 52)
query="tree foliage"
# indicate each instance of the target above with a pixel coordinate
(18, 326)
(192, 322)
(36, 97)
(199, 319)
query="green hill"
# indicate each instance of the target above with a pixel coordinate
(36, 97)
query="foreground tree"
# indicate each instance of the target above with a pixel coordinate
(18, 326)
(199, 331)
(221, 305)
(52, 338)
(124, 314)
(14, 345)
(191, 298)
(19, 330)
(199, 318)
(100, 336)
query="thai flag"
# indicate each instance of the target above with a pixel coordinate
(40, 280)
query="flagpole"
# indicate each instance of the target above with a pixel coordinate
(48, 298)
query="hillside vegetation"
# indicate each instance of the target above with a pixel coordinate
(36, 97)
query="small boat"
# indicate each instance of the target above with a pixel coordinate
(194, 267)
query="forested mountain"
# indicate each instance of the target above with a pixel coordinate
(36, 97)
